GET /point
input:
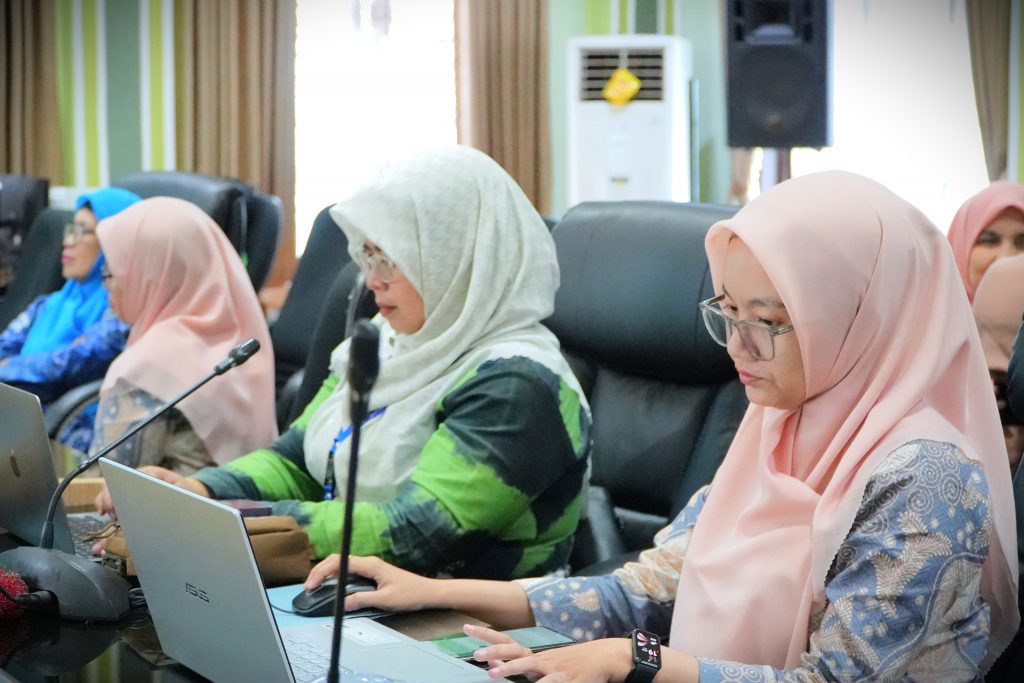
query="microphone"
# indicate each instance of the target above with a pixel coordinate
(236, 357)
(79, 588)
(363, 366)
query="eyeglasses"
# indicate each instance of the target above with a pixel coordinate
(385, 267)
(78, 232)
(758, 338)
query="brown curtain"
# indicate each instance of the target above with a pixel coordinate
(236, 99)
(988, 32)
(501, 55)
(29, 124)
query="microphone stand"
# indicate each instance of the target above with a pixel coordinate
(363, 336)
(85, 590)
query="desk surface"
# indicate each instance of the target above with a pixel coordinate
(35, 650)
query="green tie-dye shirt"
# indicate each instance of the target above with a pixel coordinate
(497, 491)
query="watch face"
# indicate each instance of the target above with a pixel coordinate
(647, 649)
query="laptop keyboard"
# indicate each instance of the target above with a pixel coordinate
(81, 528)
(308, 660)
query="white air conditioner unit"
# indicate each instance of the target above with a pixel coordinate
(640, 150)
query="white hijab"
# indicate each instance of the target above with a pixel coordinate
(483, 261)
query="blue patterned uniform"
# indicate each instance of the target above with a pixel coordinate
(50, 374)
(902, 596)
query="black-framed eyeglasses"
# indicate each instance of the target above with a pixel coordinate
(78, 232)
(758, 338)
(385, 267)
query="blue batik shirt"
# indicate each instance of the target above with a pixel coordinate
(902, 596)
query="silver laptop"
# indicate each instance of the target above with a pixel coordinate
(210, 609)
(28, 479)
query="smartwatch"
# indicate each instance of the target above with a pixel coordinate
(646, 656)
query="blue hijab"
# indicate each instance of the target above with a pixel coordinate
(68, 313)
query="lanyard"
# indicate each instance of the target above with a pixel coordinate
(343, 434)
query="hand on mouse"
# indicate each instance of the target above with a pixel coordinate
(397, 589)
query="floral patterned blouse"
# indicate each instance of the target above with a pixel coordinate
(902, 596)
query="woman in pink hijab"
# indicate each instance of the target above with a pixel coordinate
(989, 226)
(998, 307)
(173, 275)
(861, 525)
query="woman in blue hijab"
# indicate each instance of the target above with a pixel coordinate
(69, 337)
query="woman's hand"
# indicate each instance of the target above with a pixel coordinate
(105, 505)
(598, 661)
(397, 589)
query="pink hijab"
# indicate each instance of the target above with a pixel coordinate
(890, 354)
(191, 302)
(976, 214)
(998, 306)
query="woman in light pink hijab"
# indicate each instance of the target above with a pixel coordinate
(988, 227)
(175, 278)
(998, 307)
(861, 525)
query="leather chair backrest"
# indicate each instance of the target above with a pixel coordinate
(664, 396)
(21, 200)
(332, 328)
(37, 270)
(325, 255)
(225, 200)
(263, 233)
(22, 197)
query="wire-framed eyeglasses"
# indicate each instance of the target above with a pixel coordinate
(758, 338)
(384, 266)
(78, 232)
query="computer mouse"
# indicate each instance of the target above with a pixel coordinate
(319, 602)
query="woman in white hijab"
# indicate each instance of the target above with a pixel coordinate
(474, 452)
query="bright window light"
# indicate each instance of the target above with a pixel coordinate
(904, 111)
(374, 82)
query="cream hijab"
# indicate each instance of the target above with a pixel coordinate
(890, 354)
(483, 261)
(998, 306)
(191, 301)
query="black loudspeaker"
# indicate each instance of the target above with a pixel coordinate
(779, 67)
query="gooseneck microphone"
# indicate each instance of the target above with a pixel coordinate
(82, 589)
(363, 366)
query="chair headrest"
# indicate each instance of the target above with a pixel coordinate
(633, 274)
(263, 233)
(223, 199)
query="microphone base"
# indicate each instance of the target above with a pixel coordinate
(83, 590)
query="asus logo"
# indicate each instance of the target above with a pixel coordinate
(196, 593)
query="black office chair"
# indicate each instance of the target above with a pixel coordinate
(263, 233)
(37, 270)
(346, 301)
(22, 198)
(325, 255)
(665, 398)
(224, 199)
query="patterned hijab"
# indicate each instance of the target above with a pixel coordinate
(79, 304)
(190, 302)
(890, 355)
(976, 214)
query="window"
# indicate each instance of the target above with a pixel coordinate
(374, 82)
(903, 104)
